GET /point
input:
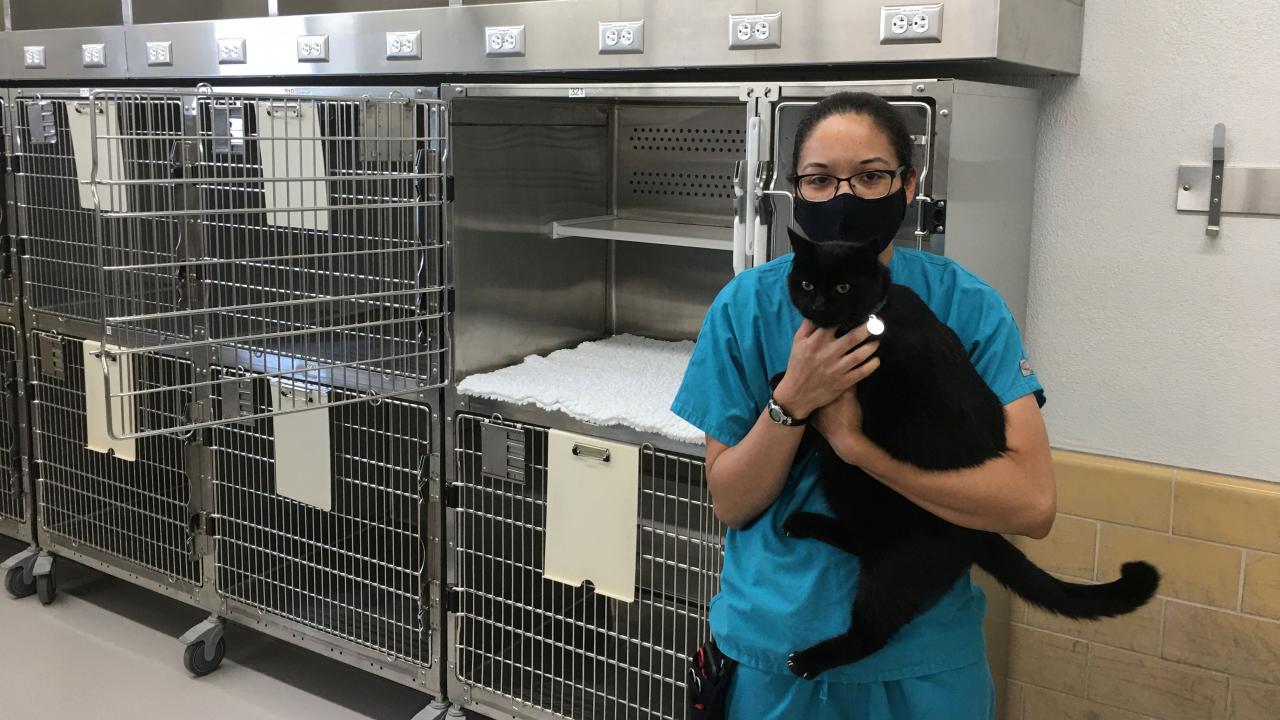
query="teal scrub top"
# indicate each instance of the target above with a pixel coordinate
(777, 594)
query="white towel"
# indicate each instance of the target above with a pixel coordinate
(622, 380)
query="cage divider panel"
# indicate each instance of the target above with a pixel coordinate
(107, 155)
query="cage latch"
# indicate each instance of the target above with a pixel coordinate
(452, 599)
(52, 363)
(237, 399)
(503, 452)
(228, 129)
(42, 125)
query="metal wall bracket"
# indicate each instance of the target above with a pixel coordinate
(1218, 189)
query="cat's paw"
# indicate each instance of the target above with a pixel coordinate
(802, 665)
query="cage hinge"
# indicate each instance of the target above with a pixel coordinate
(452, 495)
(51, 361)
(209, 526)
(7, 261)
(452, 599)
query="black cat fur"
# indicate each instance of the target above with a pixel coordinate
(925, 405)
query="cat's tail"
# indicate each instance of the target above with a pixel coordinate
(1137, 584)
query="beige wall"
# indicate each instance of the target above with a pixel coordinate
(1208, 647)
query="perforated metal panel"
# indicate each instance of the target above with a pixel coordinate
(136, 511)
(13, 505)
(676, 163)
(357, 571)
(565, 651)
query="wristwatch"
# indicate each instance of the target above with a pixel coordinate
(780, 416)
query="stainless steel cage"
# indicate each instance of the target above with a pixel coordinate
(134, 515)
(297, 238)
(14, 499)
(358, 570)
(531, 647)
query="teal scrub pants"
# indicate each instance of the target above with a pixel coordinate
(964, 694)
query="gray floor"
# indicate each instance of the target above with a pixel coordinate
(106, 649)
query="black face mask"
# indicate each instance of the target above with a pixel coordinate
(852, 219)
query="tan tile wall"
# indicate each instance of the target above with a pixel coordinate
(1207, 648)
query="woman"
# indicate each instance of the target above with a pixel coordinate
(852, 160)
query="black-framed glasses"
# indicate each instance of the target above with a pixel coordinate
(869, 185)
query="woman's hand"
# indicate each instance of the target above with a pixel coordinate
(840, 422)
(823, 367)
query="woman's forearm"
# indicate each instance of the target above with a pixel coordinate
(1009, 494)
(745, 479)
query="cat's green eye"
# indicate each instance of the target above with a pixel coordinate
(842, 288)
(808, 286)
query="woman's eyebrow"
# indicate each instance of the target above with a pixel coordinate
(875, 159)
(817, 165)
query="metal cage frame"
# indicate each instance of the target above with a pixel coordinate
(299, 237)
(524, 646)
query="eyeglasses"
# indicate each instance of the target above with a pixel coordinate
(870, 185)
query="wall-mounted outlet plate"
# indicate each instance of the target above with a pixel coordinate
(313, 48)
(750, 32)
(93, 55)
(910, 24)
(33, 57)
(617, 38)
(404, 45)
(160, 53)
(231, 51)
(504, 41)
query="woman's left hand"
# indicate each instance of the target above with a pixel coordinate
(841, 424)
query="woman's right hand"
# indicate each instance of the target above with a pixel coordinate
(822, 366)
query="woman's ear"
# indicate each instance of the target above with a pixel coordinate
(910, 186)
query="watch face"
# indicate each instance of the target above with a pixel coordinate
(775, 412)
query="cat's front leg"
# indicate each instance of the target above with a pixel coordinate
(823, 528)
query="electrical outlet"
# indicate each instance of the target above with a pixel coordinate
(504, 41)
(313, 48)
(749, 32)
(231, 51)
(93, 55)
(33, 57)
(402, 45)
(160, 53)
(910, 24)
(621, 37)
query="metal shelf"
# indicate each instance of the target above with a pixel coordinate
(611, 227)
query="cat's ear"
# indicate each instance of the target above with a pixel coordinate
(799, 241)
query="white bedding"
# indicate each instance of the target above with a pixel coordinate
(621, 380)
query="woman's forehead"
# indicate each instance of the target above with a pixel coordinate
(847, 139)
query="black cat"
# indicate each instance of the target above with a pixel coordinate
(925, 405)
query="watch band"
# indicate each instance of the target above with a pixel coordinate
(779, 415)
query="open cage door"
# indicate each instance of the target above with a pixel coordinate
(297, 238)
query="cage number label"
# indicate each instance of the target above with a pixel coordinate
(577, 92)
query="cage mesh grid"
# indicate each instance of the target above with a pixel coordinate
(313, 247)
(356, 572)
(61, 272)
(138, 510)
(12, 499)
(566, 650)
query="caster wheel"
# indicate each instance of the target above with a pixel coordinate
(17, 585)
(46, 588)
(195, 661)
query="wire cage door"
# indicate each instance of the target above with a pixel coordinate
(301, 241)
